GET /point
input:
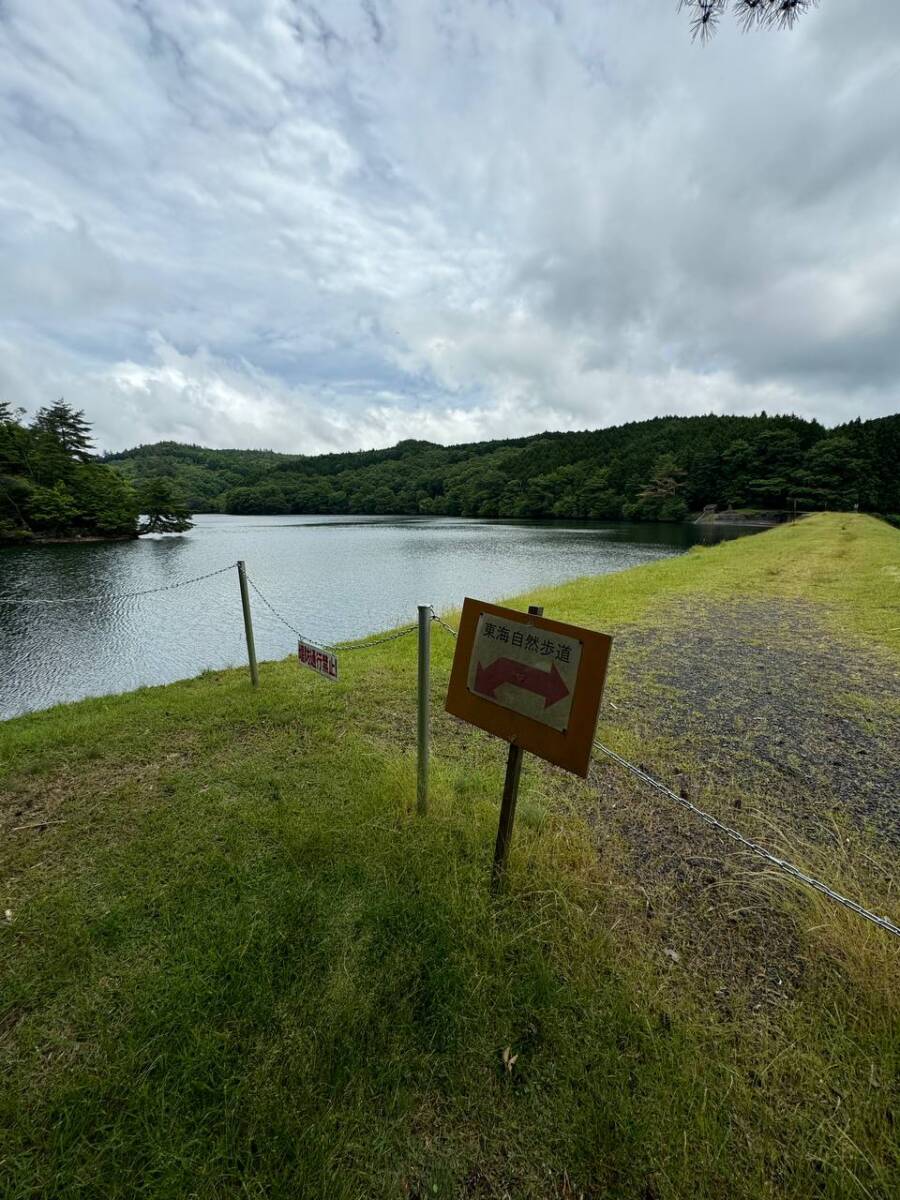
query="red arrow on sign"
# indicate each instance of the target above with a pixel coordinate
(549, 684)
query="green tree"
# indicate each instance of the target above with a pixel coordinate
(599, 498)
(264, 498)
(879, 445)
(10, 437)
(163, 511)
(777, 454)
(15, 494)
(68, 428)
(832, 474)
(661, 498)
(53, 509)
(738, 463)
(107, 502)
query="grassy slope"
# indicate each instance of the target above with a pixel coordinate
(243, 966)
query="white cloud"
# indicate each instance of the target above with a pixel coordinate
(271, 224)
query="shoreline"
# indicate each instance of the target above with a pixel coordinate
(89, 539)
(725, 519)
(229, 895)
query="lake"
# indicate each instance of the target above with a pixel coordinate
(333, 578)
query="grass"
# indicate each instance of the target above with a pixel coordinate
(241, 965)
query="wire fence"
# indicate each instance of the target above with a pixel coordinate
(103, 596)
(443, 623)
(332, 646)
(783, 865)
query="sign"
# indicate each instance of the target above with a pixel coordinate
(322, 661)
(534, 682)
(527, 670)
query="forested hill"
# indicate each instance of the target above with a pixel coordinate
(203, 476)
(660, 469)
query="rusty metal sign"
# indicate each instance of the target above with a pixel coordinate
(534, 682)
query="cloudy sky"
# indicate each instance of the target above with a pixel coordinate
(271, 223)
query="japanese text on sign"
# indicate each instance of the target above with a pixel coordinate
(528, 670)
(317, 659)
(530, 680)
(531, 642)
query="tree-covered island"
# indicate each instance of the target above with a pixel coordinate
(53, 488)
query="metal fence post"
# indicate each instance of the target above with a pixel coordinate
(424, 722)
(510, 796)
(248, 622)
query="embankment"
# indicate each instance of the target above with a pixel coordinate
(235, 962)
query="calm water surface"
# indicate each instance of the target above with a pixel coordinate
(333, 578)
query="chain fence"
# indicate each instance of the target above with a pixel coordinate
(781, 864)
(100, 596)
(390, 637)
(272, 609)
(443, 624)
(346, 645)
(332, 646)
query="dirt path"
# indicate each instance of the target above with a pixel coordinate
(760, 716)
(766, 697)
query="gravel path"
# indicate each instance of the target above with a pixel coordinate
(765, 696)
(760, 716)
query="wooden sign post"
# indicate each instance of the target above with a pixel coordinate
(510, 796)
(535, 683)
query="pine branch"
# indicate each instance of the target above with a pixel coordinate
(749, 14)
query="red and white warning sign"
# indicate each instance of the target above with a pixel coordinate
(317, 659)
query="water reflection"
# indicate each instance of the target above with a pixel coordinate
(333, 577)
